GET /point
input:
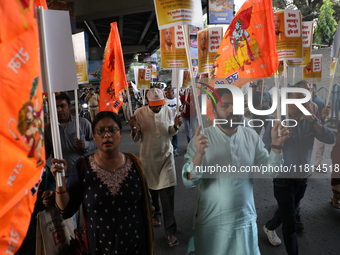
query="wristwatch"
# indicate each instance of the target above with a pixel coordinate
(273, 146)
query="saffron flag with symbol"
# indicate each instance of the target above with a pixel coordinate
(248, 48)
(113, 78)
(22, 154)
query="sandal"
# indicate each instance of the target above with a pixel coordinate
(335, 203)
(156, 221)
(335, 200)
(172, 240)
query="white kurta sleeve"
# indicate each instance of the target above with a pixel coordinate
(189, 167)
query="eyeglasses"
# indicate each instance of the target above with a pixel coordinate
(102, 131)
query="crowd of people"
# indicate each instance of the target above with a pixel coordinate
(122, 197)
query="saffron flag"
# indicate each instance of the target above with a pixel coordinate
(248, 48)
(113, 78)
(21, 121)
(41, 3)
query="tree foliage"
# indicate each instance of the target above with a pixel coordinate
(310, 9)
(326, 25)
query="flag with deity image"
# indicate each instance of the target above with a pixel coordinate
(22, 153)
(248, 48)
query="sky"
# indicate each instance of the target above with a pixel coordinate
(238, 4)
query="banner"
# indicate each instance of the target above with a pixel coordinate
(80, 57)
(248, 51)
(220, 11)
(153, 68)
(194, 52)
(208, 43)
(95, 71)
(113, 78)
(173, 53)
(22, 154)
(288, 31)
(307, 39)
(143, 77)
(313, 70)
(178, 12)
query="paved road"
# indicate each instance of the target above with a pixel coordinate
(322, 222)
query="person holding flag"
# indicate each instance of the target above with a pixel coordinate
(225, 218)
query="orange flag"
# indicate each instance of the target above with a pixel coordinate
(113, 73)
(41, 3)
(248, 49)
(22, 153)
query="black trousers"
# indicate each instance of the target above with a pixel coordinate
(288, 194)
(167, 197)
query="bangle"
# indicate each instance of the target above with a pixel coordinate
(61, 192)
(314, 121)
(273, 146)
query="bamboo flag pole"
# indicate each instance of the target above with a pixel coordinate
(192, 80)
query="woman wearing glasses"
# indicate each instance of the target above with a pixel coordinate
(112, 189)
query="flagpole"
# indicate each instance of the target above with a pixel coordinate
(129, 99)
(143, 96)
(293, 75)
(285, 82)
(77, 112)
(185, 99)
(262, 91)
(278, 108)
(192, 80)
(177, 89)
(331, 82)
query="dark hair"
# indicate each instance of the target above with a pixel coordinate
(91, 88)
(220, 92)
(259, 81)
(106, 114)
(63, 96)
(300, 83)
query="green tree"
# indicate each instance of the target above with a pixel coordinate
(326, 24)
(310, 9)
